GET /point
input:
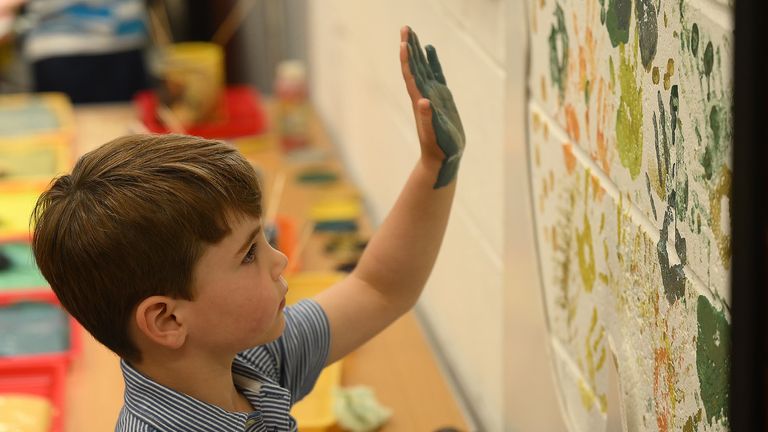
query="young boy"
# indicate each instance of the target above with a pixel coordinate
(155, 244)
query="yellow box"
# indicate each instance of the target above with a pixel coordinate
(314, 413)
(17, 200)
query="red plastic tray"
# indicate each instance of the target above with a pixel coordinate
(244, 115)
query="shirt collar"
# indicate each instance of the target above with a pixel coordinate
(167, 409)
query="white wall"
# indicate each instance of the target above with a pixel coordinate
(482, 303)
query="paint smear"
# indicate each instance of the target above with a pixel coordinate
(692, 424)
(695, 40)
(712, 359)
(585, 249)
(668, 74)
(617, 21)
(567, 300)
(647, 28)
(569, 157)
(650, 196)
(672, 276)
(572, 122)
(721, 189)
(664, 391)
(594, 357)
(629, 118)
(558, 52)
(586, 255)
(720, 133)
(708, 59)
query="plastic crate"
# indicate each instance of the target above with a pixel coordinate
(23, 274)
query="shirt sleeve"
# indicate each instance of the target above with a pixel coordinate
(303, 347)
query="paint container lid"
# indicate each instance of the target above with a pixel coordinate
(291, 73)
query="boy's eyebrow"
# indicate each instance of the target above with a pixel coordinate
(249, 240)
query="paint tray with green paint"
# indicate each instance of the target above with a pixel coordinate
(34, 328)
(29, 327)
(337, 214)
(18, 271)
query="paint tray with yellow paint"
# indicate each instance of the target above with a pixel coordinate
(36, 134)
(336, 209)
(315, 413)
(25, 413)
(336, 214)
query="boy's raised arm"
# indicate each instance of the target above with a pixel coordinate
(399, 258)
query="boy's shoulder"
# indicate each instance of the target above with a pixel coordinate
(305, 326)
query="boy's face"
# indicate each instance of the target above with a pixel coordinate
(239, 292)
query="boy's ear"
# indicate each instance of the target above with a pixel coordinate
(156, 319)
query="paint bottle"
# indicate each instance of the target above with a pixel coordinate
(292, 110)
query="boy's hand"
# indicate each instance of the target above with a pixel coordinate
(440, 131)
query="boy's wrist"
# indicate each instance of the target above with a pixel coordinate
(432, 162)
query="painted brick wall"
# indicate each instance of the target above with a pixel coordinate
(630, 145)
(468, 303)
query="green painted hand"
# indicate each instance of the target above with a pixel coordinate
(425, 80)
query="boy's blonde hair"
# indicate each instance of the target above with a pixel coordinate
(132, 220)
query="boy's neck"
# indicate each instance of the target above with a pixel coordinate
(206, 379)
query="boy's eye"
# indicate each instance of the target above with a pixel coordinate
(251, 255)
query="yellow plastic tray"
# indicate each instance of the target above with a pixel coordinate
(314, 413)
(35, 157)
(31, 149)
(17, 200)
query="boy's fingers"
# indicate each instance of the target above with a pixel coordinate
(424, 108)
(410, 81)
(416, 71)
(420, 57)
(434, 64)
(413, 60)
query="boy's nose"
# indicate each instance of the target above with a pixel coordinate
(280, 263)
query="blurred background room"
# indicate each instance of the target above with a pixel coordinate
(564, 297)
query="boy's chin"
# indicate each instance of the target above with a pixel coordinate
(273, 333)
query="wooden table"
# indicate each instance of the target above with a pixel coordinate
(398, 364)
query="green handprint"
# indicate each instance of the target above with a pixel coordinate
(429, 78)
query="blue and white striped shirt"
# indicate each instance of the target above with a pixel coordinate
(272, 377)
